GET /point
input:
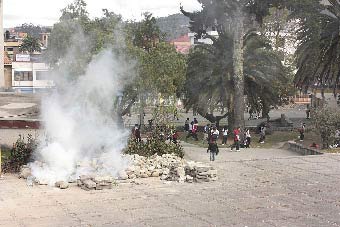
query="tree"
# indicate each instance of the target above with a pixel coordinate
(31, 30)
(318, 55)
(76, 38)
(236, 18)
(161, 68)
(326, 121)
(209, 82)
(30, 45)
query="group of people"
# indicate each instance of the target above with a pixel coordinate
(164, 134)
(213, 134)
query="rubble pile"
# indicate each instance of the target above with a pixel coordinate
(95, 183)
(167, 167)
(170, 168)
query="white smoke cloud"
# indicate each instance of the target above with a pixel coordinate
(80, 123)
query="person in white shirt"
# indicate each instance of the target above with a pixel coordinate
(247, 138)
(225, 135)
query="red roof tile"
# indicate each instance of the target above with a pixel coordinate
(184, 38)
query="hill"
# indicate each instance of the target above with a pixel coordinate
(173, 26)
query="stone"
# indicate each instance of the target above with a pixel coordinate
(155, 174)
(42, 182)
(62, 184)
(106, 179)
(132, 176)
(164, 177)
(201, 169)
(189, 179)
(89, 184)
(25, 172)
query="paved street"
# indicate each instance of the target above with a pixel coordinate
(255, 188)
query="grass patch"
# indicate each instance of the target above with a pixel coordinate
(273, 140)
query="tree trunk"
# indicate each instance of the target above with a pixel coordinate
(141, 112)
(238, 76)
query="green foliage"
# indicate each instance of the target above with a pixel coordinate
(326, 121)
(30, 45)
(146, 33)
(162, 70)
(31, 29)
(155, 144)
(173, 26)
(20, 154)
(318, 53)
(209, 81)
(157, 140)
(76, 38)
(75, 10)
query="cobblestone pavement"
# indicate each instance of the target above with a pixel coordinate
(256, 187)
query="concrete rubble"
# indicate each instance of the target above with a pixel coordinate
(167, 167)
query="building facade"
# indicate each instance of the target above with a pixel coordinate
(29, 76)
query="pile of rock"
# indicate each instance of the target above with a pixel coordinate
(95, 183)
(167, 167)
(170, 168)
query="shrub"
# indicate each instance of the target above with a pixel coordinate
(326, 121)
(20, 154)
(155, 144)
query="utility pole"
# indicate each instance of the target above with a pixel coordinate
(2, 76)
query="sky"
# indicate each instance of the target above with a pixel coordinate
(47, 12)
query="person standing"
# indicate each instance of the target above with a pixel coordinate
(247, 138)
(190, 134)
(195, 130)
(206, 133)
(262, 134)
(225, 135)
(137, 133)
(186, 125)
(213, 148)
(302, 131)
(236, 139)
(175, 137)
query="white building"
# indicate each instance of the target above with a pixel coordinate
(194, 41)
(29, 76)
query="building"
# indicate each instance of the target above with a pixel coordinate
(182, 44)
(195, 41)
(30, 75)
(12, 46)
(185, 42)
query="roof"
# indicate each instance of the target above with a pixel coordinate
(7, 60)
(184, 38)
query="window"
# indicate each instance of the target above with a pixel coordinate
(23, 76)
(42, 75)
(9, 48)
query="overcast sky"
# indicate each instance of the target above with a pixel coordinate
(47, 12)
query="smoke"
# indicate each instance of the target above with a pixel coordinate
(82, 133)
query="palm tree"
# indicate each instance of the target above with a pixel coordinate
(237, 19)
(318, 55)
(30, 45)
(209, 81)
